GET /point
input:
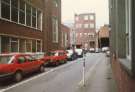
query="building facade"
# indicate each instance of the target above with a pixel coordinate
(85, 28)
(53, 24)
(122, 43)
(103, 36)
(65, 37)
(29, 25)
(21, 26)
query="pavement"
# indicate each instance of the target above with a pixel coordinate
(69, 77)
(100, 79)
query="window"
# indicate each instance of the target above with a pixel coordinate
(34, 17)
(14, 10)
(92, 26)
(28, 45)
(14, 44)
(21, 60)
(28, 15)
(86, 26)
(22, 12)
(55, 29)
(91, 17)
(39, 46)
(86, 17)
(55, 3)
(39, 19)
(5, 9)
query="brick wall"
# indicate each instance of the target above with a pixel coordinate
(125, 82)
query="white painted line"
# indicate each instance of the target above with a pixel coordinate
(89, 72)
(35, 77)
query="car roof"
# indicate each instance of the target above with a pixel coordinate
(58, 51)
(12, 54)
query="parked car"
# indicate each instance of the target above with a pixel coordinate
(39, 56)
(108, 53)
(79, 52)
(92, 49)
(56, 57)
(97, 50)
(104, 49)
(18, 65)
(71, 55)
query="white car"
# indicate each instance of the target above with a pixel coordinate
(92, 49)
(79, 52)
(71, 55)
(104, 49)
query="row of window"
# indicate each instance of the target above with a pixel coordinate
(86, 26)
(86, 17)
(21, 12)
(85, 34)
(10, 44)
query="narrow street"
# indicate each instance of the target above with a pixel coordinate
(68, 77)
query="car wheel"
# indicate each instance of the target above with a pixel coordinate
(18, 76)
(41, 69)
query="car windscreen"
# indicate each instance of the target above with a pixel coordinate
(5, 59)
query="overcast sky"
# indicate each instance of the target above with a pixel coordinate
(100, 7)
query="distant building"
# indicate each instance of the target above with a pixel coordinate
(65, 37)
(103, 36)
(85, 28)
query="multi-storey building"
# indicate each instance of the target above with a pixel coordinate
(85, 28)
(29, 25)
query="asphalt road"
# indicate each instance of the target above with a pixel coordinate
(64, 78)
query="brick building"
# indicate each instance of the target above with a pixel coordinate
(103, 36)
(24, 25)
(85, 28)
(53, 24)
(65, 37)
(122, 42)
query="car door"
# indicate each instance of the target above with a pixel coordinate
(22, 64)
(33, 63)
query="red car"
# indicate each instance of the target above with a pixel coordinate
(56, 57)
(17, 65)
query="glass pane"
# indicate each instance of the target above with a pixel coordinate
(5, 11)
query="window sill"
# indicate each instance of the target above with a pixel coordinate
(126, 65)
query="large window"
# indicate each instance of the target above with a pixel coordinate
(55, 29)
(5, 9)
(22, 13)
(28, 15)
(14, 10)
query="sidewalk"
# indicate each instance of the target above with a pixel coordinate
(101, 80)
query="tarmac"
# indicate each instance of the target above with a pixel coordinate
(101, 79)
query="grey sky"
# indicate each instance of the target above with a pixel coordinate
(100, 7)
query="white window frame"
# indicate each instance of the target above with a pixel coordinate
(128, 30)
